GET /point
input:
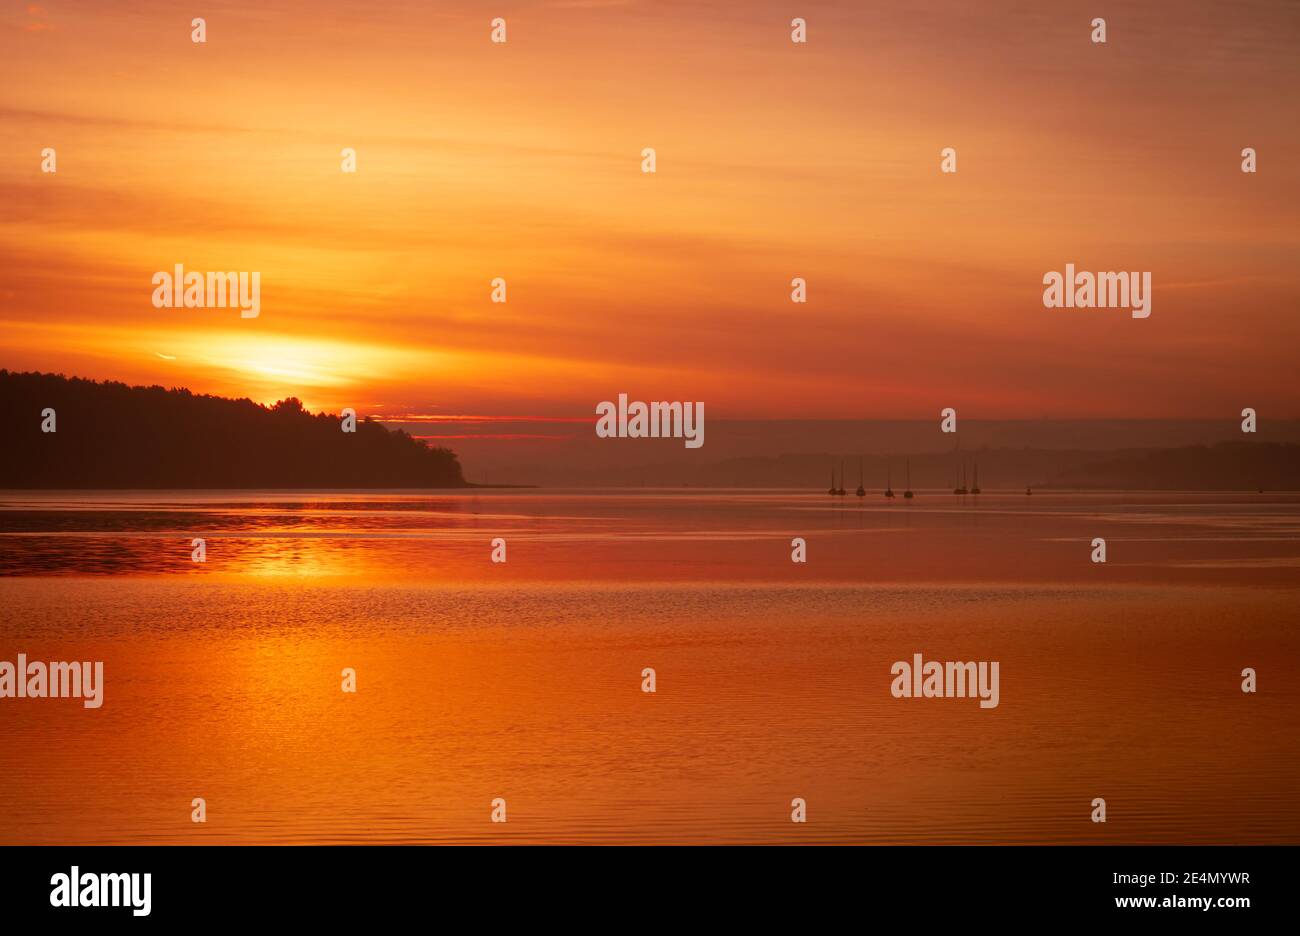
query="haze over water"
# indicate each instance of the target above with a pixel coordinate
(523, 680)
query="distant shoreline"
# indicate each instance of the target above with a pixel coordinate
(924, 494)
(340, 489)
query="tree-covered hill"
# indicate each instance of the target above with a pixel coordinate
(110, 435)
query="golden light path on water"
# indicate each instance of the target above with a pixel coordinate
(522, 680)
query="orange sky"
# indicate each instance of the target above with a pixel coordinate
(775, 160)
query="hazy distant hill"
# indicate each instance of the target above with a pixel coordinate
(1227, 466)
(798, 453)
(110, 435)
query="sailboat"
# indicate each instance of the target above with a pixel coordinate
(962, 489)
(908, 493)
(976, 488)
(1027, 491)
(889, 487)
(861, 491)
(840, 490)
(831, 492)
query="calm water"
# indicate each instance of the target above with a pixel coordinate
(523, 680)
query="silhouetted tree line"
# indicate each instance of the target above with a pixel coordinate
(109, 435)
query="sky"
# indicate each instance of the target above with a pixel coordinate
(774, 160)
